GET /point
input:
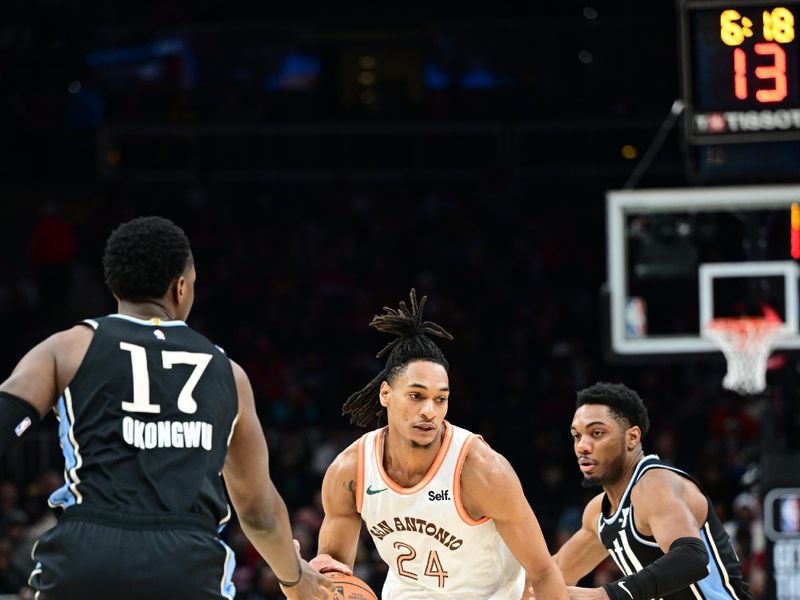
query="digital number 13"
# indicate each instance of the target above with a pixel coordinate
(776, 71)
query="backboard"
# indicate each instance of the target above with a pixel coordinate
(678, 258)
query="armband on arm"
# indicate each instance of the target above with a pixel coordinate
(684, 563)
(16, 417)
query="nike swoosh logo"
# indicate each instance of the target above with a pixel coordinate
(370, 491)
(627, 591)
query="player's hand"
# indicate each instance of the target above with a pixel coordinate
(579, 593)
(528, 594)
(325, 562)
(312, 585)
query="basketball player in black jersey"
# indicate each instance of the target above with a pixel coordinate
(150, 414)
(654, 520)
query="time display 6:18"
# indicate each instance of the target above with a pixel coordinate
(743, 68)
(777, 29)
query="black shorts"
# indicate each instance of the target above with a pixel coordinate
(98, 554)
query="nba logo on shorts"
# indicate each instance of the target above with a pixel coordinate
(635, 317)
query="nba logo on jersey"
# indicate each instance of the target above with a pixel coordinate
(159, 335)
(23, 425)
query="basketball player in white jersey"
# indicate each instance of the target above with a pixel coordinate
(446, 512)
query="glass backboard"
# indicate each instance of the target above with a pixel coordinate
(680, 257)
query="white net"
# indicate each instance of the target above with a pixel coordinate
(746, 343)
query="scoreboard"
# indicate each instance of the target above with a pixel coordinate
(741, 70)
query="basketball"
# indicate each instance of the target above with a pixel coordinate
(349, 587)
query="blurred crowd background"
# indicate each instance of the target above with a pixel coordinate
(323, 161)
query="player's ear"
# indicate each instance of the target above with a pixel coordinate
(384, 393)
(633, 437)
(179, 289)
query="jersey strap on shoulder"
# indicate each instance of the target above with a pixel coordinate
(16, 417)
(684, 563)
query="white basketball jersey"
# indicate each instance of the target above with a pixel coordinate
(432, 546)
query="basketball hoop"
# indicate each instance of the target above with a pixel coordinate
(746, 343)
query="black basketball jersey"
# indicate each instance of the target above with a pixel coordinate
(632, 551)
(146, 421)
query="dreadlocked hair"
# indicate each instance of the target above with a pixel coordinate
(412, 343)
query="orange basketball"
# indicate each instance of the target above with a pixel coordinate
(349, 587)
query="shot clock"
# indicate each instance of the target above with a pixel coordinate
(741, 70)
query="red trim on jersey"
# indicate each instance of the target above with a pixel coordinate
(360, 474)
(462, 456)
(432, 470)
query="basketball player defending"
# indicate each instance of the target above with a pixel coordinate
(653, 519)
(150, 413)
(446, 513)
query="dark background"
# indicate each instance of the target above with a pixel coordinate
(325, 159)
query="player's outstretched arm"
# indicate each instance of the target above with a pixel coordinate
(583, 551)
(664, 509)
(260, 508)
(37, 380)
(491, 488)
(338, 536)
